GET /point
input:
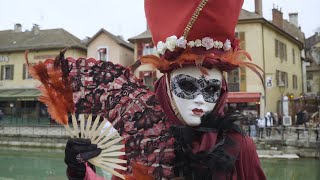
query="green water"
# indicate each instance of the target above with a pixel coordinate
(46, 164)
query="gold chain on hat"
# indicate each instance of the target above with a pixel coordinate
(194, 18)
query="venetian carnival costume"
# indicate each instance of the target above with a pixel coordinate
(180, 131)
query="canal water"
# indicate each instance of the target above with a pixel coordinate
(46, 164)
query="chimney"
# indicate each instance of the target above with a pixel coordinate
(36, 29)
(277, 17)
(258, 7)
(293, 19)
(17, 27)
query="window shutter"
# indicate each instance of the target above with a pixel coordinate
(24, 71)
(140, 50)
(277, 77)
(276, 47)
(2, 70)
(12, 72)
(285, 52)
(242, 41)
(287, 82)
(293, 56)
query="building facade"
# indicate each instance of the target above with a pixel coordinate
(143, 45)
(108, 47)
(313, 69)
(276, 47)
(18, 93)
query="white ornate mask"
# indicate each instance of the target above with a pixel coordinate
(195, 93)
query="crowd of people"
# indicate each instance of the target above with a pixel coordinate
(264, 127)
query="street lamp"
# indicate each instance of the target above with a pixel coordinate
(11, 107)
(281, 89)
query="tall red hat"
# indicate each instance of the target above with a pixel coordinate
(214, 20)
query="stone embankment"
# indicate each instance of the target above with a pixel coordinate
(276, 146)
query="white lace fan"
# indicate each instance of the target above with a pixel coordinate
(105, 137)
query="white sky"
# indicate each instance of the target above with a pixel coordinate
(122, 17)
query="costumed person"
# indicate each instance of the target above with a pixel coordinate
(180, 131)
(196, 43)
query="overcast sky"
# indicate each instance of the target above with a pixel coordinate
(122, 17)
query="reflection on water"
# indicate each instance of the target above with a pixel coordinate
(294, 169)
(46, 164)
(27, 164)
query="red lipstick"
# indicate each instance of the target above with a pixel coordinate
(198, 112)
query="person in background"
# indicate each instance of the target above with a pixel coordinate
(261, 126)
(317, 130)
(269, 123)
(1, 115)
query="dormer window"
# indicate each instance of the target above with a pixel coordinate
(103, 54)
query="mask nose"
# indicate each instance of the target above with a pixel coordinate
(199, 100)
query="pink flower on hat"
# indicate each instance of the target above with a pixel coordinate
(182, 42)
(207, 43)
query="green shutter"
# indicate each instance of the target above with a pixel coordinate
(276, 48)
(2, 70)
(12, 72)
(24, 71)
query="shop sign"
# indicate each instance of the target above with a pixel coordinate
(269, 83)
(4, 59)
(26, 99)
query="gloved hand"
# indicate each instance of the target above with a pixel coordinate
(77, 152)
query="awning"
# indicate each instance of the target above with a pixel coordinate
(19, 94)
(243, 97)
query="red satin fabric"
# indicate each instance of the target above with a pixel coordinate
(217, 20)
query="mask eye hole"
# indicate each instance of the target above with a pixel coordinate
(187, 85)
(211, 88)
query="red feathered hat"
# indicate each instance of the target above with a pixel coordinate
(184, 22)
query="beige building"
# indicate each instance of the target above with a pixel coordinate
(143, 46)
(275, 46)
(108, 47)
(18, 93)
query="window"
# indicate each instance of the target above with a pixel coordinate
(148, 78)
(295, 82)
(103, 54)
(309, 76)
(242, 37)
(309, 82)
(26, 74)
(282, 78)
(7, 72)
(148, 49)
(293, 56)
(234, 80)
(281, 50)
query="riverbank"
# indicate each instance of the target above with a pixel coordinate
(54, 137)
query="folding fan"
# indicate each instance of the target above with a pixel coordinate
(89, 87)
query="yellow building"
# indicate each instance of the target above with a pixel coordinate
(18, 93)
(275, 46)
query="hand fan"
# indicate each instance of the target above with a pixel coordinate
(89, 87)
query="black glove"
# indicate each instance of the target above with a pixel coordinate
(77, 152)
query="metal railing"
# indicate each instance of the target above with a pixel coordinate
(284, 133)
(40, 130)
